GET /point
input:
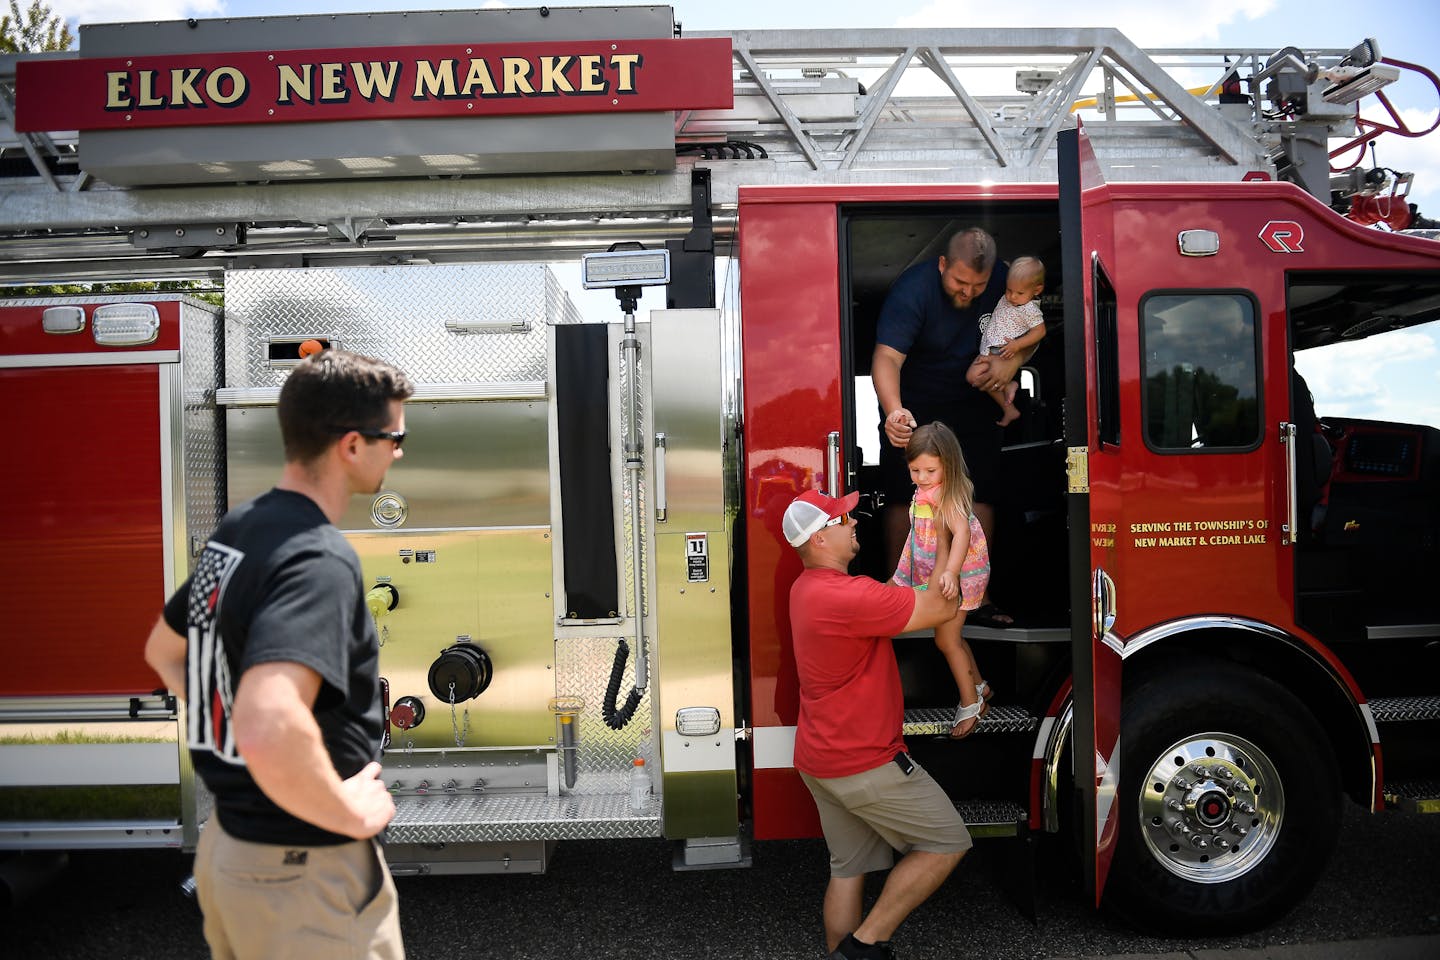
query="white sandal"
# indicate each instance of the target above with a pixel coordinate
(963, 713)
(983, 693)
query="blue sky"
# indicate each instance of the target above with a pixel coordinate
(1393, 377)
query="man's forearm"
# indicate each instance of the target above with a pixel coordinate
(165, 653)
(885, 377)
(285, 753)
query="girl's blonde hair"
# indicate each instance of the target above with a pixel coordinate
(957, 490)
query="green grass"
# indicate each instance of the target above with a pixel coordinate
(66, 737)
(158, 802)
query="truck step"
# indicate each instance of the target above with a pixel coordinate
(1398, 709)
(937, 721)
(519, 816)
(1414, 796)
(991, 818)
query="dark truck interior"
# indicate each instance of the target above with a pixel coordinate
(1028, 557)
(1368, 551)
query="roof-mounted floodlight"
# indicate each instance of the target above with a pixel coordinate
(1362, 54)
(1349, 84)
(625, 268)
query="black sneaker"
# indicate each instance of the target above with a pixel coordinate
(852, 949)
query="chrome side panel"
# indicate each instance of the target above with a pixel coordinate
(413, 316)
(692, 573)
(471, 464)
(478, 555)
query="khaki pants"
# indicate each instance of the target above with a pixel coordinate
(268, 901)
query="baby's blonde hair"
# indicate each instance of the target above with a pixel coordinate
(957, 490)
(1027, 270)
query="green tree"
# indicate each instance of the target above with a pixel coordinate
(35, 29)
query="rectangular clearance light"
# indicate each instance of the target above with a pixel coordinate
(697, 721)
(63, 319)
(625, 268)
(125, 324)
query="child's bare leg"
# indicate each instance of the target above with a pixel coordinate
(979, 370)
(976, 681)
(1005, 396)
(962, 667)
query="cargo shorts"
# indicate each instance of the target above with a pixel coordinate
(870, 815)
(269, 901)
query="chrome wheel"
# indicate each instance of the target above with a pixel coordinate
(1211, 807)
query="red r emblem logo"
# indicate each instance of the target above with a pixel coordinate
(1283, 236)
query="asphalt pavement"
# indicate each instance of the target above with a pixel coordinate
(1378, 899)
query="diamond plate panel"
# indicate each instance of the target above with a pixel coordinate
(201, 361)
(400, 314)
(1396, 709)
(990, 813)
(519, 817)
(582, 669)
(938, 721)
(1413, 789)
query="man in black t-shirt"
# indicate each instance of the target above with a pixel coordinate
(275, 652)
(927, 336)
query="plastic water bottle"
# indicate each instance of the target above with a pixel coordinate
(639, 787)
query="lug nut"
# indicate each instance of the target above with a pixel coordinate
(1175, 805)
(1223, 774)
(1245, 808)
(1198, 769)
(1222, 843)
(1238, 830)
(1178, 826)
(1199, 842)
(1241, 786)
(1182, 783)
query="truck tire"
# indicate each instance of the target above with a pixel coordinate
(1229, 802)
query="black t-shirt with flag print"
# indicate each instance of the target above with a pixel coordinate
(276, 582)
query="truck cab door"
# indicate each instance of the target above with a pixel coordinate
(1093, 470)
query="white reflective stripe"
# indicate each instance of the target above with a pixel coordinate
(1370, 722)
(15, 361)
(699, 754)
(774, 748)
(83, 764)
(1042, 739)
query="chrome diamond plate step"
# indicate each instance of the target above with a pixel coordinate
(1396, 709)
(991, 818)
(1415, 796)
(514, 816)
(937, 721)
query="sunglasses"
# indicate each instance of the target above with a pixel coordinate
(396, 437)
(843, 518)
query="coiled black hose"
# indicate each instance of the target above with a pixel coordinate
(616, 719)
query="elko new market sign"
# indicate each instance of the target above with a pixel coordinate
(373, 83)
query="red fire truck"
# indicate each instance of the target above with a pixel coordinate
(1222, 628)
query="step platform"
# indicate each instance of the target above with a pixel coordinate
(937, 721)
(1413, 796)
(496, 817)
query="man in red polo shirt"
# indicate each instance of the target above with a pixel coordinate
(872, 797)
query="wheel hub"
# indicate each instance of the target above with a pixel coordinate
(1211, 807)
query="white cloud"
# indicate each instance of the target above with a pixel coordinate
(1385, 377)
(131, 11)
(1146, 23)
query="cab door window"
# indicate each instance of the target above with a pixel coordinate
(1200, 364)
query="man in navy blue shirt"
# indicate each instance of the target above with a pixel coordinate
(926, 338)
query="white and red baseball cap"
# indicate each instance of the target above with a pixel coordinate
(811, 511)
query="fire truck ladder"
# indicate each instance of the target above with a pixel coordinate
(811, 107)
